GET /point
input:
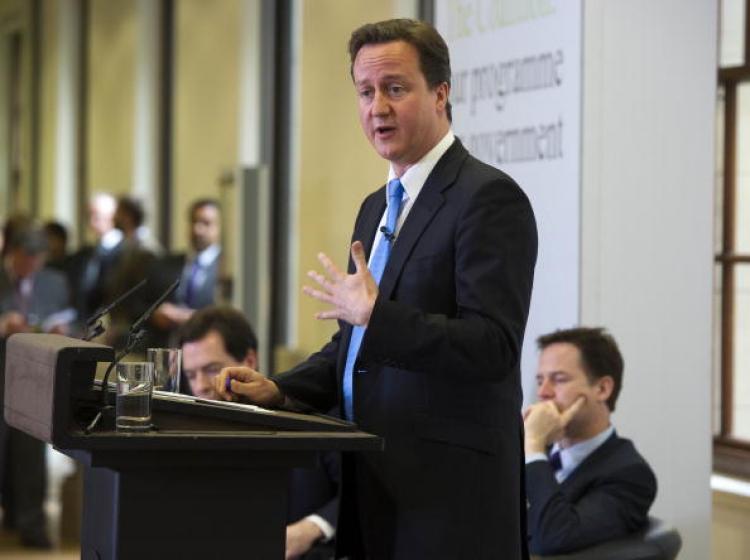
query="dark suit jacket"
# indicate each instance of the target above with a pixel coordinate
(315, 490)
(607, 496)
(88, 271)
(49, 294)
(442, 381)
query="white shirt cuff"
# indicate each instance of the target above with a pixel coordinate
(323, 525)
(532, 457)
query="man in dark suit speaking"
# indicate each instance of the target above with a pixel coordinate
(431, 319)
(591, 485)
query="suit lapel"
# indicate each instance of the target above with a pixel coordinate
(368, 228)
(423, 211)
(588, 465)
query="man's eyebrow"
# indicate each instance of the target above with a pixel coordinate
(385, 77)
(551, 373)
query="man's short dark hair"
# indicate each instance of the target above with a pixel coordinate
(434, 58)
(600, 355)
(26, 236)
(236, 332)
(133, 208)
(56, 229)
(12, 225)
(201, 203)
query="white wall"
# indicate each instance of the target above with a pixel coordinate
(647, 211)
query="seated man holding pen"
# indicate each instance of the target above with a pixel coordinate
(218, 337)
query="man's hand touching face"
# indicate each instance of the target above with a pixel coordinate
(545, 423)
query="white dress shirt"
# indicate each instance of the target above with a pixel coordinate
(413, 180)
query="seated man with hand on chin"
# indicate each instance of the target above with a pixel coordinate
(584, 483)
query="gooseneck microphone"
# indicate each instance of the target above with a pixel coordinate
(135, 335)
(94, 325)
(138, 325)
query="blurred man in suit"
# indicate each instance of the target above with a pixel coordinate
(91, 265)
(134, 255)
(57, 242)
(31, 296)
(218, 337)
(584, 483)
(199, 273)
(431, 319)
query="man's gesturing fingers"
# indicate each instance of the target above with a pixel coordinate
(333, 272)
(358, 256)
(351, 296)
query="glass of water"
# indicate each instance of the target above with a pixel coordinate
(167, 363)
(135, 382)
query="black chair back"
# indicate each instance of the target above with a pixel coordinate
(658, 541)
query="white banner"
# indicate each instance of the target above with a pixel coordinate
(516, 96)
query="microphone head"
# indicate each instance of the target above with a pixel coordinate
(388, 234)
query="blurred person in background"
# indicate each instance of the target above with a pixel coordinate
(133, 259)
(92, 264)
(130, 219)
(198, 270)
(32, 299)
(31, 296)
(57, 242)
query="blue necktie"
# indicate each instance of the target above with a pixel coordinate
(555, 461)
(377, 265)
(192, 284)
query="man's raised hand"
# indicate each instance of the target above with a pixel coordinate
(351, 296)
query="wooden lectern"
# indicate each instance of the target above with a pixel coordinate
(210, 481)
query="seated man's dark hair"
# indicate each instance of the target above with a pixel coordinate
(599, 354)
(230, 324)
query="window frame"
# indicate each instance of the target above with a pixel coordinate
(731, 454)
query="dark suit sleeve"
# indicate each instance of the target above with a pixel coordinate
(315, 490)
(59, 295)
(331, 466)
(612, 506)
(330, 511)
(51, 293)
(480, 332)
(313, 382)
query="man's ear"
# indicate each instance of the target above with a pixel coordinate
(604, 387)
(251, 359)
(442, 91)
